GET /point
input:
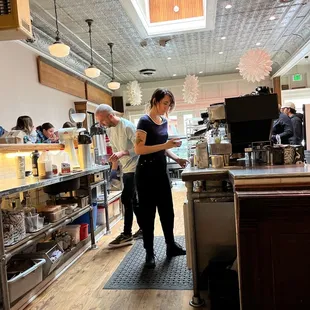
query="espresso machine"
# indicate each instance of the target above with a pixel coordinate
(220, 147)
(250, 120)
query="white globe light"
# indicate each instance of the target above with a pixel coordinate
(92, 72)
(59, 49)
(78, 117)
(114, 85)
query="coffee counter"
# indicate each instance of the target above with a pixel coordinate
(236, 172)
(267, 223)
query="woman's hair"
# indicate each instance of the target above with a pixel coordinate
(159, 94)
(45, 126)
(67, 125)
(24, 123)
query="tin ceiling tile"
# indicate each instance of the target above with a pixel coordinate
(244, 25)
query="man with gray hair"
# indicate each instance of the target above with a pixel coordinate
(121, 133)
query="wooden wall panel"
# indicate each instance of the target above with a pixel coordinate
(81, 107)
(162, 10)
(277, 88)
(62, 81)
(96, 95)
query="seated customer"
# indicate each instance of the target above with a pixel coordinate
(25, 124)
(67, 125)
(46, 134)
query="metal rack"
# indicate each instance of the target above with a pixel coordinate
(17, 186)
(191, 129)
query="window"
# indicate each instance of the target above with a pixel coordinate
(135, 118)
(173, 125)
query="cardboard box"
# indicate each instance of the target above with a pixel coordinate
(116, 207)
(13, 137)
(111, 211)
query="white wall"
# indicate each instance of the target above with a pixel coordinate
(21, 92)
(298, 96)
(301, 69)
(212, 89)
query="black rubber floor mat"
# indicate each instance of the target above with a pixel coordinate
(169, 274)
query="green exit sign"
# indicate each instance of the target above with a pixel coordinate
(297, 77)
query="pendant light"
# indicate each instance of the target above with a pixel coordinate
(91, 71)
(113, 84)
(58, 49)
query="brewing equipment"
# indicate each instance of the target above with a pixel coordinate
(98, 135)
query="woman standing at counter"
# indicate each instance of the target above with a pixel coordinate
(152, 180)
(46, 134)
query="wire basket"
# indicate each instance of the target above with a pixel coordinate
(17, 231)
(8, 234)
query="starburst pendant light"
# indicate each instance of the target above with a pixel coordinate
(113, 85)
(58, 49)
(91, 71)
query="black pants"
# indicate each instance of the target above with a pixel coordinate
(129, 200)
(154, 190)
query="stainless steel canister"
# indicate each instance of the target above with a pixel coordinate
(226, 160)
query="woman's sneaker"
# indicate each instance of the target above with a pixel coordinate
(138, 235)
(121, 240)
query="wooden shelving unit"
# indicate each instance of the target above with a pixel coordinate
(68, 261)
(8, 187)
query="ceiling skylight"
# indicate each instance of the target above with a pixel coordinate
(139, 12)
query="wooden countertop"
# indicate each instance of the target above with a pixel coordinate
(194, 173)
(12, 148)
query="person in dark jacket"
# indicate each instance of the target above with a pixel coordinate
(290, 110)
(283, 128)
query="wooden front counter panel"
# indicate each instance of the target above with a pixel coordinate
(272, 212)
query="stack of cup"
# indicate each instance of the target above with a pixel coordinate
(20, 167)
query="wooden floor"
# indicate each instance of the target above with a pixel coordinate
(81, 286)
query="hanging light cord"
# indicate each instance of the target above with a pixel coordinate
(91, 45)
(56, 16)
(111, 45)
